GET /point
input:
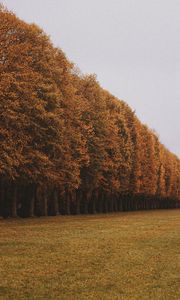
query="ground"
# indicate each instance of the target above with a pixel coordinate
(129, 256)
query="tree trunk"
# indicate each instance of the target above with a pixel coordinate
(111, 203)
(5, 208)
(67, 201)
(124, 203)
(105, 201)
(77, 202)
(120, 205)
(44, 203)
(115, 204)
(55, 206)
(85, 201)
(31, 205)
(1, 198)
(99, 202)
(13, 206)
(94, 198)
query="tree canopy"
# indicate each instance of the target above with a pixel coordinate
(66, 144)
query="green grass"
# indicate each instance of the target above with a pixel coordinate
(127, 256)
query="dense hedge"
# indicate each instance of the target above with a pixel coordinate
(66, 145)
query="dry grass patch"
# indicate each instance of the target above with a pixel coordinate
(125, 256)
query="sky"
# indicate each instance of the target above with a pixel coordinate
(132, 45)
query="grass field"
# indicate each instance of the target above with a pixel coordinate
(126, 256)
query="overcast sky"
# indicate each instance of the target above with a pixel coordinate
(132, 45)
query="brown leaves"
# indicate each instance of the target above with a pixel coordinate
(61, 128)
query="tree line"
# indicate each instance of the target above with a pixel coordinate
(67, 146)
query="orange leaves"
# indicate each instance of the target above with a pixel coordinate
(61, 128)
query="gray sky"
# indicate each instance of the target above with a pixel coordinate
(132, 45)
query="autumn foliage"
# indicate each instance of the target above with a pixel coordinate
(67, 146)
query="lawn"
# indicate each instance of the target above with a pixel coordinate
(128, 256)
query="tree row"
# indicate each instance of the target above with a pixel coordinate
(67, 146)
